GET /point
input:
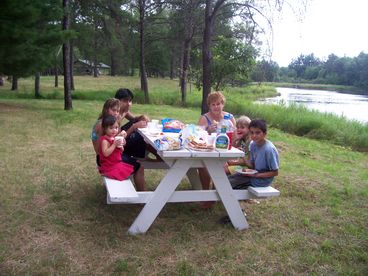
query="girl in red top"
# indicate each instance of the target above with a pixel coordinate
(111, 148)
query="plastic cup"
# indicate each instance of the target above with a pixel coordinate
(120, 138)
(211, 139)
(155, 122)
(230, 135)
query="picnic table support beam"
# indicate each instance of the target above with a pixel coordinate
(160, 197)
(225, 192)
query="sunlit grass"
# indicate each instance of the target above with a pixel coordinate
(54, 218)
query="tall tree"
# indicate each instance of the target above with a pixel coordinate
(209, 22)
(68, 105)
(29, 35)
(190, 23)
(142, 6)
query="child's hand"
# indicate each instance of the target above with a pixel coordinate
(123, 134)
(232, 162)
(119, 141)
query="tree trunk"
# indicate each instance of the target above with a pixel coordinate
(95, 69)
(206, 56)
(56, 76)
(172, 62)
(66, 60)
(210, 17)
(113, 63)
(14, 83)
(37, 85)
(184, 69)
(142, 65)
(71, 66)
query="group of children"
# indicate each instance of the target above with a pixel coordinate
(116, 147)
(260, 155)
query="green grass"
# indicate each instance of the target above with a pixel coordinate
(54, 218)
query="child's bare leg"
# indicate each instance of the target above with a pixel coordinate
(205, 178)
(139, 179)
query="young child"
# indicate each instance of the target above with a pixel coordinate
(110, 154)
(110, 107)
(241, 141)
(263, 157)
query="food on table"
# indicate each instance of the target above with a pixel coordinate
(199, 143)
(168, 143)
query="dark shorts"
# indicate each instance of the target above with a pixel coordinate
(238, 181)
(135, 145)
(132, 161)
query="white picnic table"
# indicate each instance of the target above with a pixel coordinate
(185, 162)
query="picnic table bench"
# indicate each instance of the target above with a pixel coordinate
(124, 192)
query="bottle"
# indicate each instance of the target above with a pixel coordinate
(222, 141)
(229, 127)
(225, 123)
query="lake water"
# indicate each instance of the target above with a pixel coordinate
(350, 106)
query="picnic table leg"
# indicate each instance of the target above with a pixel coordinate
(160, 197)
(225, 192)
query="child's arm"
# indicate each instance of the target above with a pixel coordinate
(265, 174)
(99, 133)
(139, 124)
(237, 162)
(106, 148)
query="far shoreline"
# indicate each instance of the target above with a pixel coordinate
(328, 87)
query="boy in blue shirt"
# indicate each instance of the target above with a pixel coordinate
(263, 157)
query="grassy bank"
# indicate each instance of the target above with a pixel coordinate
(294, 119)
(54, 219)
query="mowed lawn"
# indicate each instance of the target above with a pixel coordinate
(54, 218)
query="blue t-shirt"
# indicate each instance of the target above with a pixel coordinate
(265, 158)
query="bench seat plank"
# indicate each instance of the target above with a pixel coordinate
(264, 191)
(120, 191)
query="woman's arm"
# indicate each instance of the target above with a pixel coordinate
(203, 122)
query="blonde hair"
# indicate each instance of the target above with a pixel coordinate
(214, 97)
(243, 121)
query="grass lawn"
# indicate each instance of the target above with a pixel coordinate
(54, 218)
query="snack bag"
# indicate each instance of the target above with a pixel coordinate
(168, 143)
(172, 125)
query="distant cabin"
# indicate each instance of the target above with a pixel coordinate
(85, 67)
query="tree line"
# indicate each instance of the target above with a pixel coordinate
(350, 71)
(211, 43)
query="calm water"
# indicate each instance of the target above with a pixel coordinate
(348, 105)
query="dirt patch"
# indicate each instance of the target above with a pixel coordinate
(4, 107)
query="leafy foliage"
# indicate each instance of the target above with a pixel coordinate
(30, 34)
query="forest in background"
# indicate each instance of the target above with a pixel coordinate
(209, 43)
